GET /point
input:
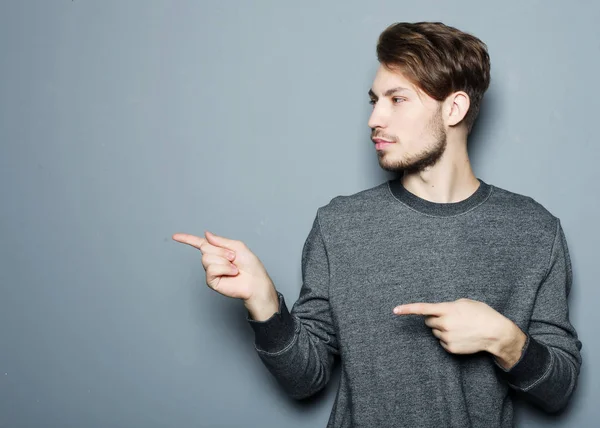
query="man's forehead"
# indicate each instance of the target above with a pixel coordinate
(387, 81)
(389, 91)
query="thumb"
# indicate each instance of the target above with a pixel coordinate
(220, 241)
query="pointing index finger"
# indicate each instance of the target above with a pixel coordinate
(185, 238)
(421, 309)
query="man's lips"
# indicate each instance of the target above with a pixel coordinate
(380, 143)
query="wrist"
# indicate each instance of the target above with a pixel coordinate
(508, 346)
(262, 306)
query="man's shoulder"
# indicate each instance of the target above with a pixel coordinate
(355, 202)
(519, 206)
(504, 204)
(511, 201)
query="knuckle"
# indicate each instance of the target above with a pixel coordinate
(205, 261)
(225, 253)
(211, 271)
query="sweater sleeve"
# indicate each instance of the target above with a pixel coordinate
(549, 365)
(298, 346)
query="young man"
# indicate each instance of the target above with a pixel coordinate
(441, 294)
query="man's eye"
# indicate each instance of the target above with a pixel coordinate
(372, 102)
(397, 100)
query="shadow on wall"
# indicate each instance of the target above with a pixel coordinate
(489, 109)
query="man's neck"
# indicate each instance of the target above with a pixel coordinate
(450, 180)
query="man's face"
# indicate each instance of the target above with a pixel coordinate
(410, 120)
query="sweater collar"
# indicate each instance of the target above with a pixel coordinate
(436, 208)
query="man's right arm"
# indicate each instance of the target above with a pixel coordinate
(298, 346)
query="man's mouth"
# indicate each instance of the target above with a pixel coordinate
(380, 143)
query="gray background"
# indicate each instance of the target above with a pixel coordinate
(123, 122)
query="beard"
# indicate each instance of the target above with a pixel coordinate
(427, 158)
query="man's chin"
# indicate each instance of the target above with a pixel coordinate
(407, 164)
(391, 165)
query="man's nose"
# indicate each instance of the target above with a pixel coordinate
(377, 119)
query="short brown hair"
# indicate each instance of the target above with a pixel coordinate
(438, 59)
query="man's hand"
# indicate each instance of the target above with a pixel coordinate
(466, 326)
(234, 271)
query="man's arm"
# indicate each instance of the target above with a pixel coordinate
(298, 347)
(548, 367)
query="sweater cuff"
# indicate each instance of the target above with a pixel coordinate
(532, 366)
(273, 334)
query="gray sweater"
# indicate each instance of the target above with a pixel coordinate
(371, 251)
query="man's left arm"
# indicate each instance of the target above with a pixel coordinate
(548, 354)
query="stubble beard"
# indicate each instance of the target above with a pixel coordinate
(425, 159)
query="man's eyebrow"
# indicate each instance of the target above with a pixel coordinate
(388, 92)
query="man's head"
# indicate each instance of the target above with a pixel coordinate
(430, 83)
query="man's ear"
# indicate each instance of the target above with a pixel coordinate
(458, 105)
